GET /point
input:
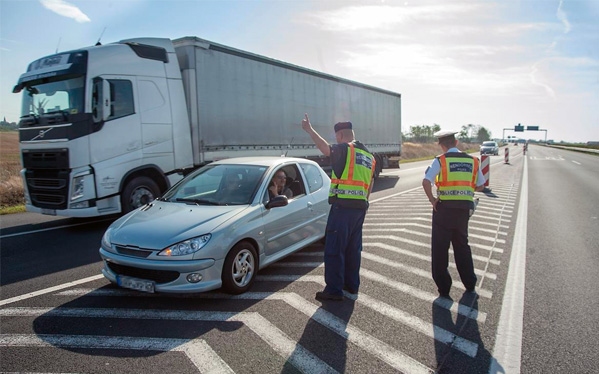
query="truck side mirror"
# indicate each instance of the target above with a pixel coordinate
(100, 100)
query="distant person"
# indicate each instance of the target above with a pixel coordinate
(351, 182)
(278, 185)
(457, 176)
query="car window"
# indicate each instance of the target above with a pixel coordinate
(313, 177)
(294, 182)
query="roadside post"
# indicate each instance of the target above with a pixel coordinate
(485, 163)
(507, 155)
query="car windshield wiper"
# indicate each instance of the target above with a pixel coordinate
(197, 201)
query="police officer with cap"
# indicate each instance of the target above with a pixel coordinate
(351, 182)
(457, 176)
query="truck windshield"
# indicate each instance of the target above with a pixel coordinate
(64, 96)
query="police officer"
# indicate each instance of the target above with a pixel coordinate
(351, 183)
(457, 176)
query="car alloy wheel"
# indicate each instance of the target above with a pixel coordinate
(240, 268)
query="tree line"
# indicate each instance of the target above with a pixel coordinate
(8, 126)
(425, 134)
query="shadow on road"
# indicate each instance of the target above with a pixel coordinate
(451, 360)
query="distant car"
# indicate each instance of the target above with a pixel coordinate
(217, 227)
(489, 148)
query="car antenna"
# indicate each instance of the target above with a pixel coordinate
(57, 44)
(98, 42)
(288, 147)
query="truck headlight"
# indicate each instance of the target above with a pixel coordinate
(78, 188)
(186, 247)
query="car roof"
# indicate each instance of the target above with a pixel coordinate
(262, 160)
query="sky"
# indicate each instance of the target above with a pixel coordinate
(489, 63)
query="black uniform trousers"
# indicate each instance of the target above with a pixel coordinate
(450, 225)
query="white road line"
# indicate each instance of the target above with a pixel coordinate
(396, 359)
(200, 353)
(298, 356)
(427, 257)
(411, 269)
(394, 195)
(576, 162)
(445, 303)
(50, 289)
(53, 228)
(463, 345)
(507, 353)
(425, 245)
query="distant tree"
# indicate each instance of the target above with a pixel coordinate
(8, 126)
(482, 134)
(423, 133)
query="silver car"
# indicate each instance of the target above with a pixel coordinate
(489, 148)
(217, 227)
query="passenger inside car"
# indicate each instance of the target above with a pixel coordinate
(278, 185)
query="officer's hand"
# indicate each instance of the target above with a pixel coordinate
(306, 123)
(435, 204)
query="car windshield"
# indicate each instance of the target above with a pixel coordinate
(222, 184)
(489, 144)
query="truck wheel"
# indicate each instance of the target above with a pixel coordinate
(240, 268)
(138, 192)
(378, 167)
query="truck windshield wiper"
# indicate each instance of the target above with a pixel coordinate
(198, 201)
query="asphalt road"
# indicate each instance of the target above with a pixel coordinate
(534, 240)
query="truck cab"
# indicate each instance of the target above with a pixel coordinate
(103, 129)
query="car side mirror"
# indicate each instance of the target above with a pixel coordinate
(277, 201)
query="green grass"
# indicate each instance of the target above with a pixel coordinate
(12, 209)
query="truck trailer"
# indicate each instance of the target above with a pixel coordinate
(106, 129)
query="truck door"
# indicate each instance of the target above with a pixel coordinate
(116, 148)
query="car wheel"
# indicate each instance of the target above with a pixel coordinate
(138, 192)
(240, 268)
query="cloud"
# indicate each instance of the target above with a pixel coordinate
(65, 9)
(561, 15)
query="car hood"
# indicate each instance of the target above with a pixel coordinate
(160, 224)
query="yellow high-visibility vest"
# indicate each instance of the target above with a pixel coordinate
(356, 177)
(457, 178)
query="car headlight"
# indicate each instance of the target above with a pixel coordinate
(106, 238)
(186, 247)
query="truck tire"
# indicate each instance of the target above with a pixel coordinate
(240, 268)
(378, 167)
(138, 192)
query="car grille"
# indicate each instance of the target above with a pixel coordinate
(158, 276)
(132, 252)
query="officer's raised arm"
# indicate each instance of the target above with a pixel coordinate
(321, 144)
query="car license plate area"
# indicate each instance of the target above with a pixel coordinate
(135, 284)
(50, 212)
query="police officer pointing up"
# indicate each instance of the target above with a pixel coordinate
(351, 182)
(457, 176)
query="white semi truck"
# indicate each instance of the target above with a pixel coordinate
(107, 128)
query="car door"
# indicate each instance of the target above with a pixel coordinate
(288, 228)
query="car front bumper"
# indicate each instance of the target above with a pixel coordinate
(167, 276)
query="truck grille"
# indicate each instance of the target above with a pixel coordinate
(47, 177)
